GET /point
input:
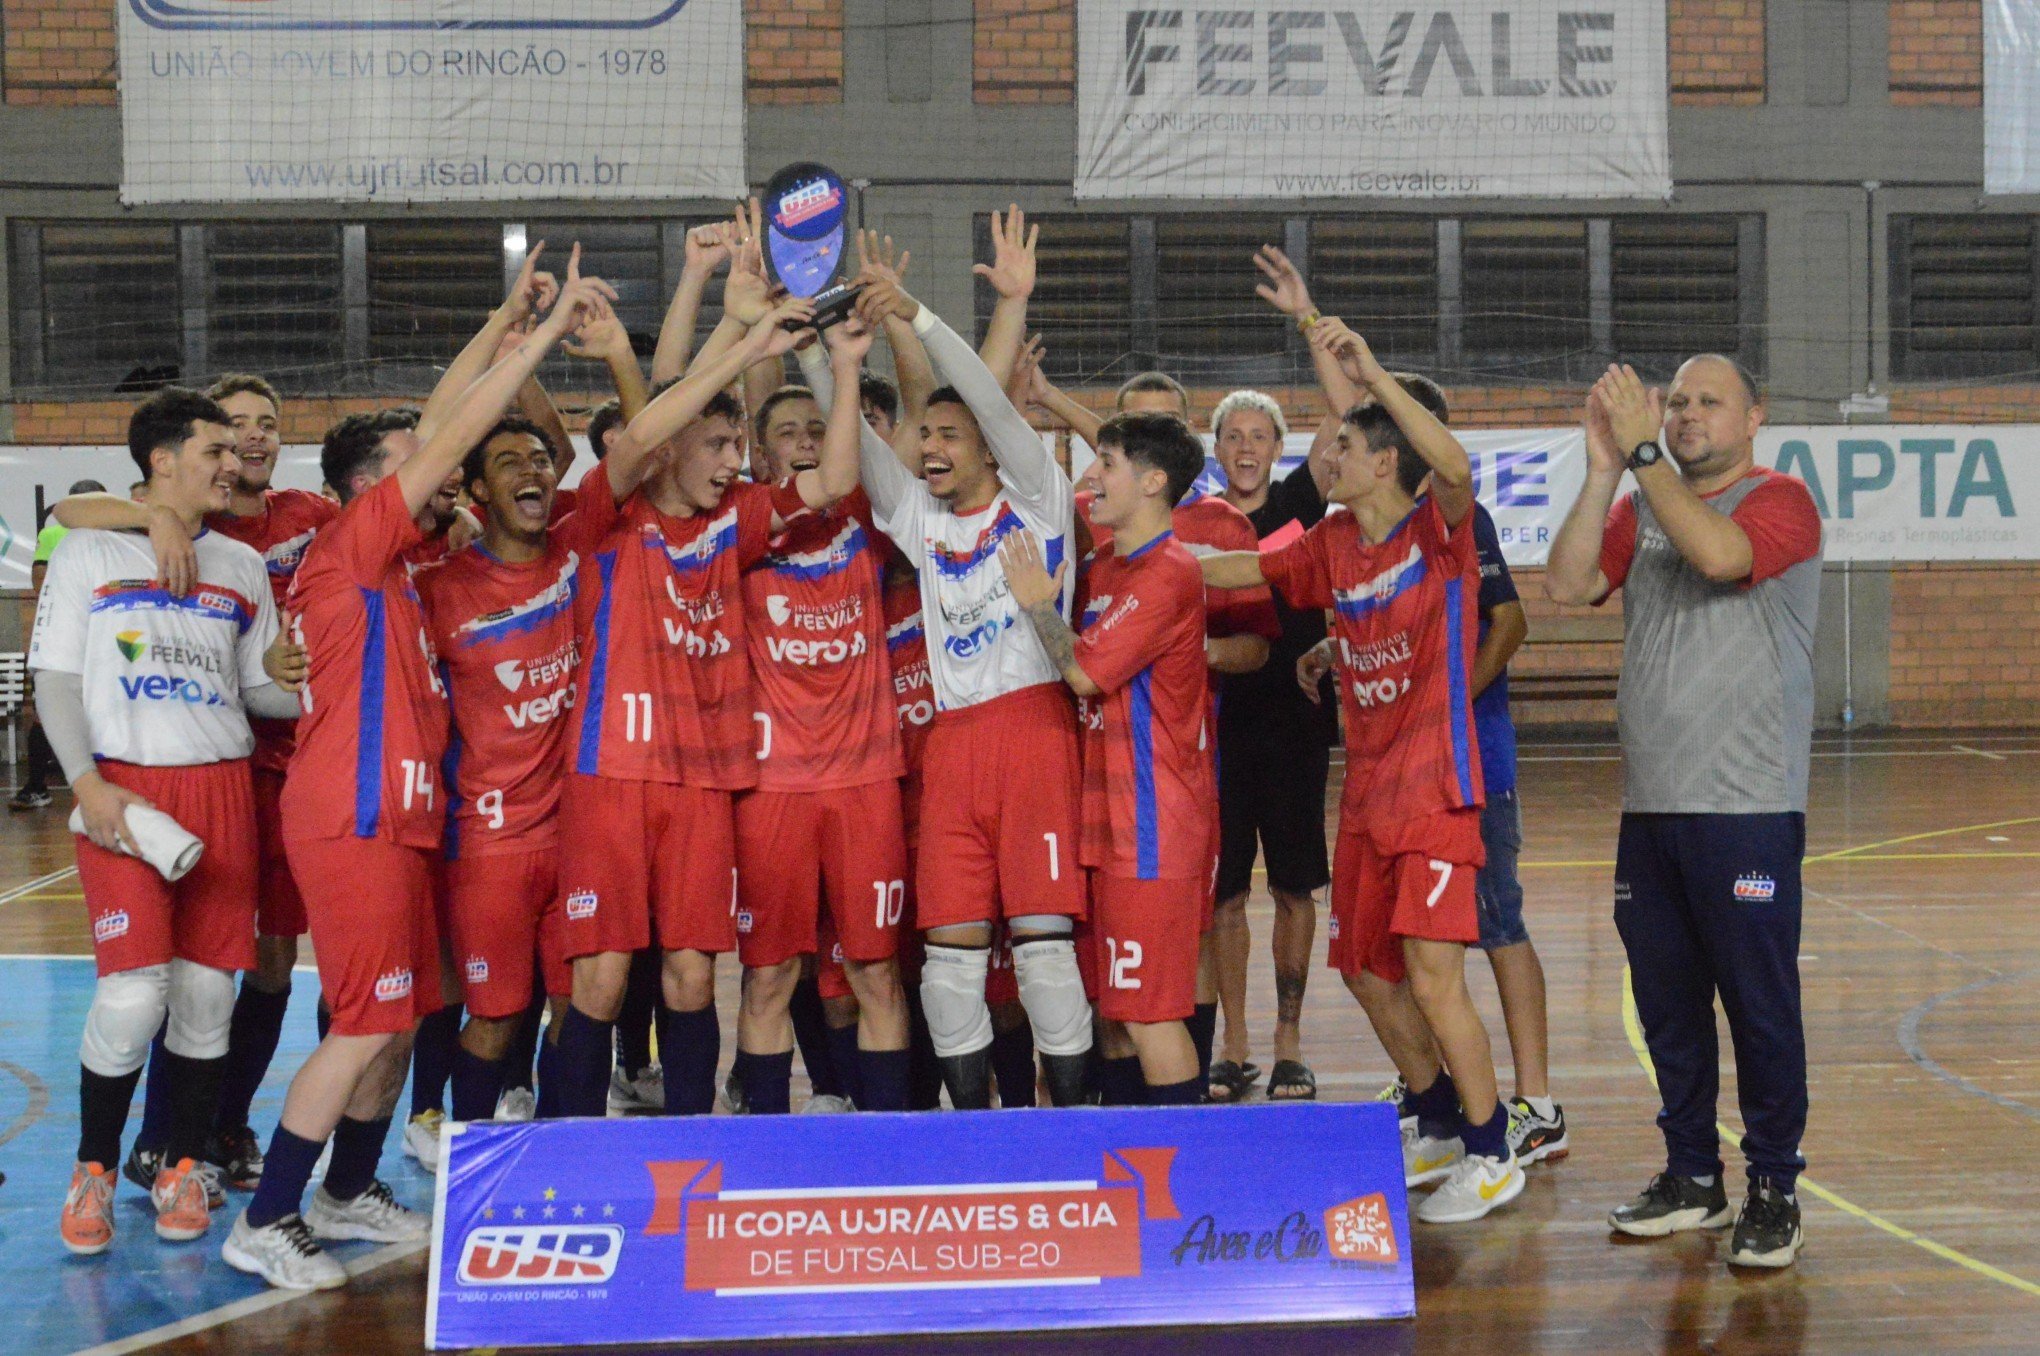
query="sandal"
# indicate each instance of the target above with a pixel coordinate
(1230, 1081)
(1292, 1081)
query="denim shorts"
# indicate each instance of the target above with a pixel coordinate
(1496, 890)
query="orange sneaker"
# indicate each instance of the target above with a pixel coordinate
(87, 1221)
(182, 1210)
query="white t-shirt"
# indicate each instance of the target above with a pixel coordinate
(163, 676)
(980, 644)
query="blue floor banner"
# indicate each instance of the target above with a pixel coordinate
(650, 1229)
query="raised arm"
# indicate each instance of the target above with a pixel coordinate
(1451, 468)
(1011, 274)
(1573, 574)
(1285, 290)
(708, 250)
(885, 478)
(878, 263)
(1712, 542)
(1232, 570)
(836, 475)
(747, 296)
(1059, 404)
(680, 404)
(604, 339)
(532, 292)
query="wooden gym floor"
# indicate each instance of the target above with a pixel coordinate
(1921, 966)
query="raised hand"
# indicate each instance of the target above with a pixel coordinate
(1284, 288)
(601, 336)
(880, 301)
(1027, 386)
(1011, 272)
(533, 291)
(580, 299)
(1354, 357)
(1636, 414)
(782, 328)
(709, 248)
(849, 342)
(1026, 577)
(877, 261)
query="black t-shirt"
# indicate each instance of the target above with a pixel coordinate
(1267, 703)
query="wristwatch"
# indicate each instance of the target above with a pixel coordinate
(1645, 454)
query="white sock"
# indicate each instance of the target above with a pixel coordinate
(1544, 1107)
(1706, 1181)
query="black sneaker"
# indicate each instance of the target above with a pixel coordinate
(141, 1167)
(1671, 1205)
(1534, 1138)
(30, 798)
(238, 1155)
(1767, 1233)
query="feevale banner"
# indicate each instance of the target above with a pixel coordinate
(1372, 99)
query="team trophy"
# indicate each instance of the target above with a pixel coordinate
(804, 230)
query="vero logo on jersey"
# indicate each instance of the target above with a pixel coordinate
(156, 687)
(567, 1254)
(132, 645)
(540, 710)
(1755, 888)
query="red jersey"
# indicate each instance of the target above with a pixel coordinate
(1406, 627)
(815, 625)
(1204, 525)
(504, 632)
(906, 648)
(1150, 794)
(374, 728)
(279, 533)
(666, 691)
(1777, 516)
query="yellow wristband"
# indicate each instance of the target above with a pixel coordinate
(1304, 322)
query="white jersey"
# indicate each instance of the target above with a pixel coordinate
(980, 644)
(163, 676)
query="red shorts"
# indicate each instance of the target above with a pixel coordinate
(138, 918)
(643, 862)
(369, 903)
(999, 811)
(796, 847)
(1144, 946)
(504, 909)
(1377, 900)
(834, 981)
(279, 908)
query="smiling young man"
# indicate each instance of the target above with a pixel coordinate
(146, 692)
(1401, 575)
(1150, 800)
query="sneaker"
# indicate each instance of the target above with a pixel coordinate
(87, 1222)
(516, 1104)
(1425, 1158)
(828, 1104)
(238, 1155)
(1671, 1205)
(421, 1138)
(1767, 1232)
(372, 1217)
(733, 1096)
(284, 1254)
(183, 1210)
(1477, 1185)
(30, 798)
(215, 1185)
(1532, 1138)
(646, 1092)
(142, 1167)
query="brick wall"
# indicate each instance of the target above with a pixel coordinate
(1937, 52)
(1715, 51)
(793, 51)
(1965, 644)
(58, 51)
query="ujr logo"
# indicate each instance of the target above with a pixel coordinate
(570, 1254)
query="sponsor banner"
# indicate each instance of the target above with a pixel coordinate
(653, 1230)
(1372, 99)
(430, 100)
(2011, 96)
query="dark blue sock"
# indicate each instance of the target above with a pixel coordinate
(1120, 1083)
(1203, 1025)
(690, 1043)
(1013, 1065)
(357, 1149)
(883, 1075)
(286, 1169)
(155, 1131)
(581, 1064)
(1436, 1108)
(251, 1043)
(766, 1081)
(548, 1081)
(811, 1034)
(843, 1059)
(924, 1077)
(1490, 1138)
(1189, 1092)
(477, 1083)
(432, 1059)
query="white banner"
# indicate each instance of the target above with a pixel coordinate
(1885, 493)
(2011, 96)
(1372, 99)
(430, 100)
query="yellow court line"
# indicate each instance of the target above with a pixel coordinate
(1917, 837)
(1632, 1027)
(1823, 859)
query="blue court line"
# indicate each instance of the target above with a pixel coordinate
(1909, 1041)
(61, 1303)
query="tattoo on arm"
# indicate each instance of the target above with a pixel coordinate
(1056, 636)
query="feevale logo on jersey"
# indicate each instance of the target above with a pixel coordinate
(787, 614)
(547, 1254)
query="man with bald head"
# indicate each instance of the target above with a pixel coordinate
(1719, 562)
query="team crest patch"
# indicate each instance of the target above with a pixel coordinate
(393, 986)
(580, 905)
(1335, 928)
(1361, 1231)
(744, 921)
(477, 970)
(1754, 888)
(108, 926)
(132, 645)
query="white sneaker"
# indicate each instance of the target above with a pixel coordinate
(1477, 1185)
(1425, 1159)
(421, 1138)
(516, 1104)
(284, 1254)
(372, 1217)
(826, 1105)
(646, 1092)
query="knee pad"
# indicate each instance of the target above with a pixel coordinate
(953, 997)
(1042, 924)
(127, 1009)
(201, 1010)
(1052, 991)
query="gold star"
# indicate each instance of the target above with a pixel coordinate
(550, 1193)
(488, 1212)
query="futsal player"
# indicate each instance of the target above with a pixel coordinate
(145, 694)
(1150, 833)
(1400, 574)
